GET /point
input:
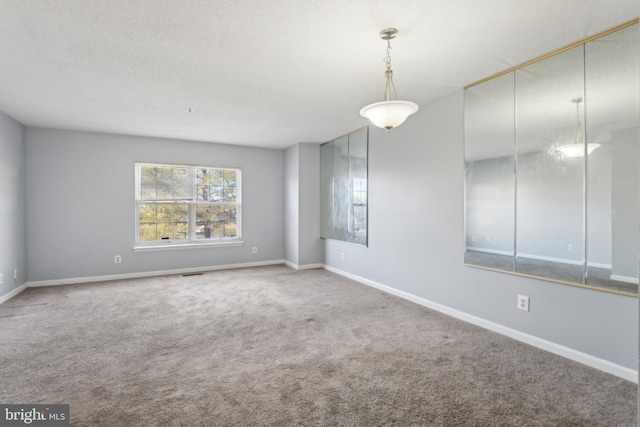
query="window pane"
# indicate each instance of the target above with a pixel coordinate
(229, 194)
(202, 177)
(148, 232)
(202, 194)
(148, 191)
(230, 229)
(148, 213)
(164, 231)
(148, 175)
(203, 213)
(164, 183)
(224, 222)
(181, 213)
(180, 183)
(215, 176)
(216, 193)
(181, 231)
(229, 178)
(164, 213)
(203, 222)
(172, 183)
(216, 222)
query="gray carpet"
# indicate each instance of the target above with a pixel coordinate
(274, 346)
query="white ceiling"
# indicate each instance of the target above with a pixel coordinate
(268, 73)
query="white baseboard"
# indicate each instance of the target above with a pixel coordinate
(548, 258)
(302, 267)
(599, 265)
(625, 279)
(74, 280)
(13, 293)
(489, 251)
(586, 359)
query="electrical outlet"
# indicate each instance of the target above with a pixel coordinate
(15, 274)
(254, 250)
(117, 259)
(1, 278)
(341, 256)
(488, 238)
(523, 302)
(570, 247)
(473, 238)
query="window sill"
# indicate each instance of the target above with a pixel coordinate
(170, 246)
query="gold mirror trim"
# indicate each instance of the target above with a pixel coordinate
(547, 279)
(555, 52)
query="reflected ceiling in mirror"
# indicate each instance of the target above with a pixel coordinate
(530, 208)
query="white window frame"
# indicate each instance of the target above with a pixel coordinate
(192, 202)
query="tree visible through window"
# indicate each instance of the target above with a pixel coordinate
(186, 204)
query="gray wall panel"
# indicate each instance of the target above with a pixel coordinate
(81, 212)
(13, 207)
(310, 245)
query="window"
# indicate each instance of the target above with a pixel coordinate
(343, 187)
(178, 205)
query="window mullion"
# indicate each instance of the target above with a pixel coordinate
(192, 203)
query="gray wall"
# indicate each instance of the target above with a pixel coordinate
(416, 245)
(292, 202)
(303, 246)
(81, 211)
(309, 181)
(13, 252)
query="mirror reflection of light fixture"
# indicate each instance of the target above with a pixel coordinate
(390, 112)
(577, 148)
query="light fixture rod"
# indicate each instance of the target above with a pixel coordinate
(388, 34)
(578, 133)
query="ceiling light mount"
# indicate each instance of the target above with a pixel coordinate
(391, 112)
(388, 34)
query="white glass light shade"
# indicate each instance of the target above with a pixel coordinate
(388, 114)
(576, 150)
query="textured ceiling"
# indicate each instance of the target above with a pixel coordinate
(262, 73)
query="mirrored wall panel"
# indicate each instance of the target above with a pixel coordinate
(552, 158)
(344, 188)
(490, 174)
(612, 130)
(550, 185)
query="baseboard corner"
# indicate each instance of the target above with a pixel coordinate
(13, 293)
(303, 266)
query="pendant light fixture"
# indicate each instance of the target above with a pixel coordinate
(391, 112)
(576, 148)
